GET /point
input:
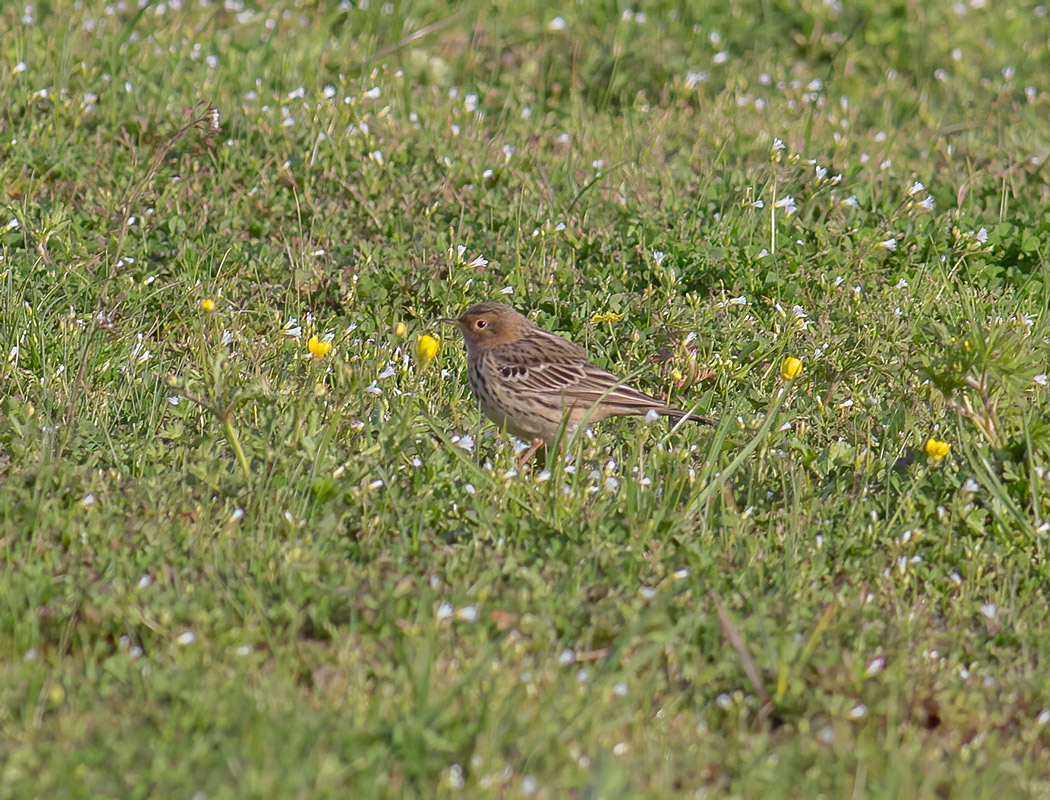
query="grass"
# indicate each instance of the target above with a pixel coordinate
(234, 570)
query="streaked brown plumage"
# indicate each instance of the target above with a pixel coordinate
(530, 381)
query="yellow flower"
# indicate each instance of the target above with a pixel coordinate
(676, 374)
(208, 305)
(607, 316)
(791, 368)
(319, 348)
(400, 329)
(936, 449)
(427, 348)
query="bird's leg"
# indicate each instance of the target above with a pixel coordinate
(536, 445)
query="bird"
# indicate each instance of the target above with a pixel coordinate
(531, 382)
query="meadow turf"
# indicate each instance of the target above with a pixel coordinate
(235, 570)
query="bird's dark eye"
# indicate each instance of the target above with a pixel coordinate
(480, 324)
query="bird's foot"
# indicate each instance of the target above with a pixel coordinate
(527, 456)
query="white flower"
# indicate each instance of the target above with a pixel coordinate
(186, 637)
(889, 244)
(694, 78)
(787, 202)
(989, 610)
(556, 24)
(915, 189)
(971, 485)
(852, 201)
(927, 203)
(373, 93)
(659, 256)
(778, 145)
(468, 613)
(982, 235)
(1040, 379)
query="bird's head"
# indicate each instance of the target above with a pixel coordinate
(489, 324)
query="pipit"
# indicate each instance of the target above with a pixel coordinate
(531, 382)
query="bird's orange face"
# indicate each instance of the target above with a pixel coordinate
(489, 324)
(480, 327)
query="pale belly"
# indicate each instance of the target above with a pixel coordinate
(525, 418)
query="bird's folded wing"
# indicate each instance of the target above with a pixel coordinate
(548, 364)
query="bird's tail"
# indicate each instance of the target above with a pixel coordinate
(677, 413)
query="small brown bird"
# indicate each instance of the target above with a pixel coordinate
(531, 382)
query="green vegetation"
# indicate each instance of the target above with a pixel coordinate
(232, 569)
